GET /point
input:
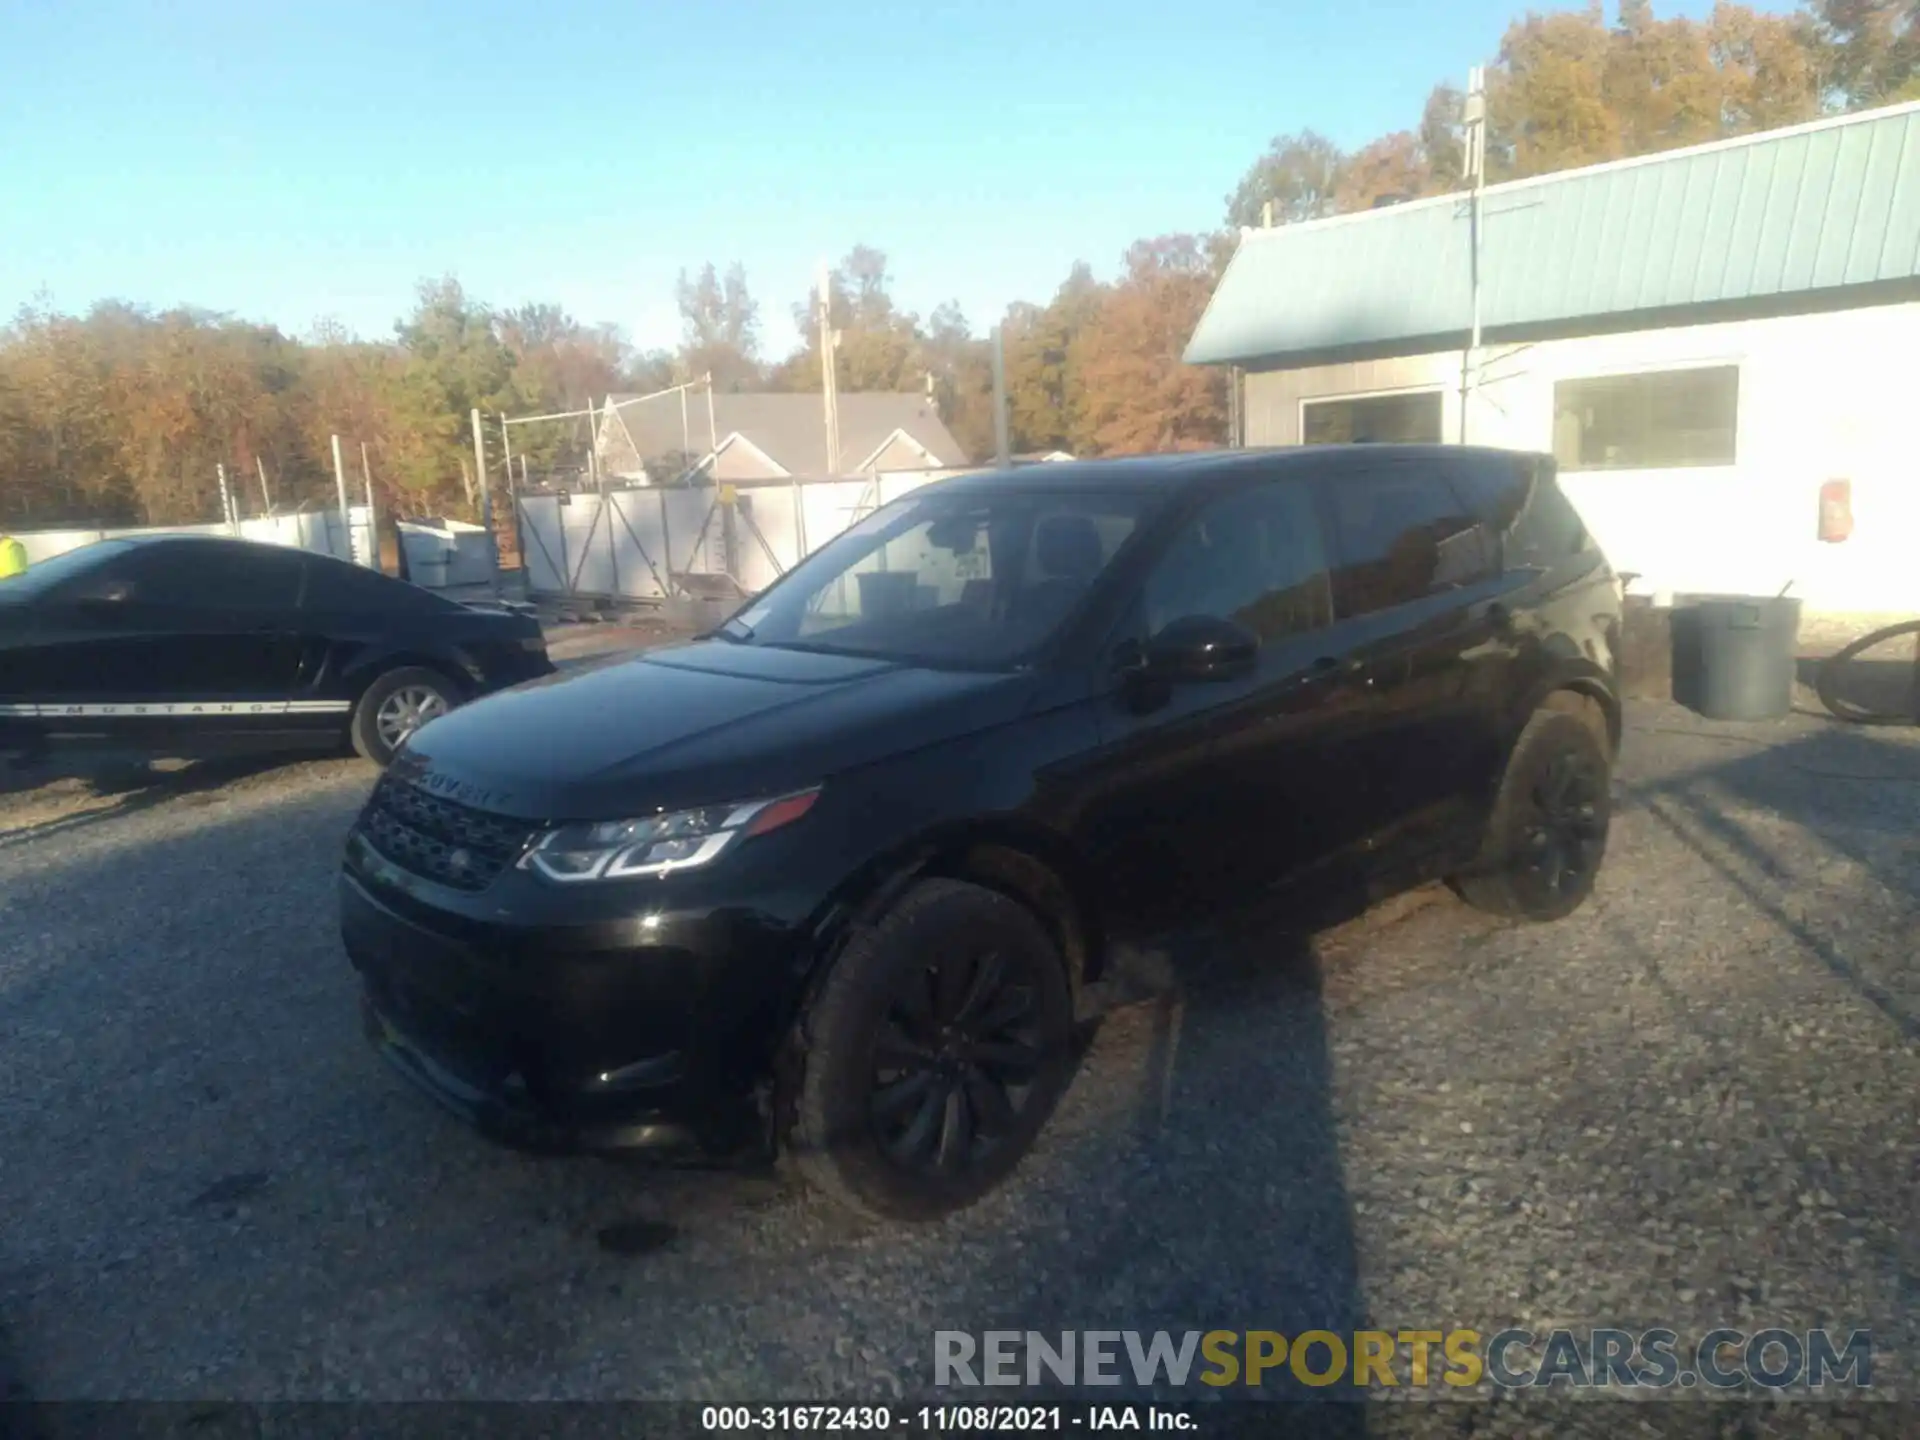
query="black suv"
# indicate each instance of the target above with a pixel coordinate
(835, 877)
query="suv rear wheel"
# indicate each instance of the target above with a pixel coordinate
(932, 1055)
(1547, 834)
(395, 705)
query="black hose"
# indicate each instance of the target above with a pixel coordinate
(1827, 679)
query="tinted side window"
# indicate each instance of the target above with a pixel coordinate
(1256, 557)
(1522, 502)
(334, 585)
(1400, 535)
(1496, 490)
(1551, 529)
(214, 577)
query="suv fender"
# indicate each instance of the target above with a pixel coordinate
(1030, 867)
(1587, 694)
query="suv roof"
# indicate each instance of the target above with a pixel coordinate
(1187, 468)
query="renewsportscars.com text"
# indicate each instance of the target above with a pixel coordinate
(1507, 1359)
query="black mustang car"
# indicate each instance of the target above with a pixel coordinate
(837, 877)
(185, 645)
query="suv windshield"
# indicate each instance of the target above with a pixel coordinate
(964, 578)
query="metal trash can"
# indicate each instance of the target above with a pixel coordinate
(1745, 650)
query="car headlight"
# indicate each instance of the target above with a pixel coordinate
(672, 840)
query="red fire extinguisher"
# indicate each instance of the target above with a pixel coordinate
(1836, 511)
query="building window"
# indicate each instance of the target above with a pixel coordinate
(1409, 419)
(1661, 420)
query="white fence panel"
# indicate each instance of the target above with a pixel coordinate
(693, 527)
(539, 544)
(590, 545)
(641, 555)
(646, 534)
(833, 505)
(578, 527)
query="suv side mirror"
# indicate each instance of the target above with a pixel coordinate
(1202, 647)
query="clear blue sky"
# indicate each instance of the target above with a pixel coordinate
(289, 162)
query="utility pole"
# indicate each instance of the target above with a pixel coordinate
(829, 380)
(1474, 118)
(340, 483)
(373, 527)
(593, 450)
(486, 500)
(513, 491)
(266, 495)
(226, 497)
(1002, 453)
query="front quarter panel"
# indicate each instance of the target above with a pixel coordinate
(883, 823)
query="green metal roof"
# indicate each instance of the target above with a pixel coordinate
(1789, 212)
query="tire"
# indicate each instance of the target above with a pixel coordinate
(882, 1117)
(372, 729)
(1547, 834)
(1828, 679)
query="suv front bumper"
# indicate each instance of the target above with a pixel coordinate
(565, 1040)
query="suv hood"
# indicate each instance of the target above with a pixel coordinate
(696, 724)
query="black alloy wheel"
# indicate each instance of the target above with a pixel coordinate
(955, 1060)
(931, 1055)
(1564, 834)
(1546, 836)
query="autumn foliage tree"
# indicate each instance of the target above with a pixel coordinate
(720, 329)
(123, 416)
(1131, 391)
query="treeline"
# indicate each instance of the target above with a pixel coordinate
(120, 416)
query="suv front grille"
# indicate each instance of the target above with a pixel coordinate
(440, 839)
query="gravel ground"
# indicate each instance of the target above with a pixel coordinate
(1691, 1104)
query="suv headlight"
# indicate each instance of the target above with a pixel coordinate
(674, 840)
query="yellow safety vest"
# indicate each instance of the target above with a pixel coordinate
(13, 557)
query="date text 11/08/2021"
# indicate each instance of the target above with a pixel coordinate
(937, 1419)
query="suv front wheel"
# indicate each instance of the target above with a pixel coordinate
(1547, 833)
(932, 1055)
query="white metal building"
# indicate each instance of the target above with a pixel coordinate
(1703, 338)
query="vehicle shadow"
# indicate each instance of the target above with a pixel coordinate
(130, 782)
(1856, 792)
(1207, 1193)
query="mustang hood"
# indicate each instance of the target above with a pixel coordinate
(696, 724)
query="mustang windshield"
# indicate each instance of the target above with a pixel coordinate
(966, 578)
